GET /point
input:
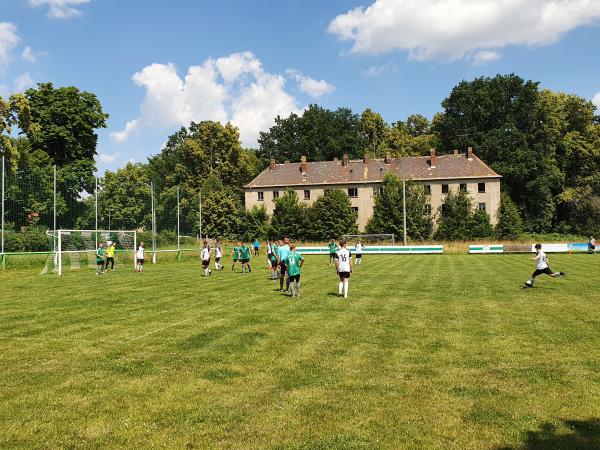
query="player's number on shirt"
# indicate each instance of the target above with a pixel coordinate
(343, 258)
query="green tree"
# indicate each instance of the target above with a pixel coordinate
(510, 224)
(580, 205)
(374, 129)
(16, 111)
(331, 216)
(454, 220)
(255, 223)
(388, 214)
(319, 134)
(289, 217)
(67, 120)
(222, 215)
(503, 118)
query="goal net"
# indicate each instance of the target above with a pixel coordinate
(378, 239)
(76, 249)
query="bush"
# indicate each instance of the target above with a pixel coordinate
(13, 242)
(165, 238)
(36, 240)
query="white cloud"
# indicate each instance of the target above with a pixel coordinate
(123, 136)
(484, 57)
(60, 9)
(596, 100)
(8, 41)
(108, 158)
(378, 70)
(454, 29)
(23, 82)
(310, 86)
(233, 88)
(29, 55)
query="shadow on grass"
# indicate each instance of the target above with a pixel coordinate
(573, 435)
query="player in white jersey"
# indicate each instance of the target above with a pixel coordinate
(218, 256)
(358, 253)
(205, 257)
(343, 267)
(139, 258)
(541, 267)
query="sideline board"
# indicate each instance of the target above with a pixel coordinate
(527, 248)
(380, 250)
(492, 248)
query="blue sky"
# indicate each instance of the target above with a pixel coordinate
(158, 64)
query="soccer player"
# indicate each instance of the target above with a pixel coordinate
(542, 267)
(110, 256)
(333, 248)
(205, 256)
(343, 267)
(235, 254)
(256, 246)
(218, 256)
(99, 259)
(270, 258)
(139, 257)
(294, 263)
(592, 245)
(245, 257)
(282, 256)
(359, 250)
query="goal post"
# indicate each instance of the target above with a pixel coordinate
(80, 246)
(371, 238)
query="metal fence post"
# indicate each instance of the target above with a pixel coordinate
(200, 197)
(96, 227)
(178, 223)
(153, 222)
(54, 237)
(2, 209)
(404, 208)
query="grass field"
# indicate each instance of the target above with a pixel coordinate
(444, 351)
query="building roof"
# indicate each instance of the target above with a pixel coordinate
(445, 167)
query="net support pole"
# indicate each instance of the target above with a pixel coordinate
(96, 227)
(54, 211)
(404, 209)
(153, 222)
(59, 258)
(178, 247)
(134, 250)
(200, 200)
(2, 249)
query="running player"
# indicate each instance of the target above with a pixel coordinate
(99, 259)
(110, 256)
(218, 256)
(542, 267)
(256, 246)
(235, 254)
(333, 248)
(294, 263)
(244, 251)
(139, 258)
(205, 256)
(282, 256)
(343, 267)
(358, 253)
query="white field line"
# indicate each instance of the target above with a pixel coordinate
(158, 330)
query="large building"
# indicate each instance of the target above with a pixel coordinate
(361, 180)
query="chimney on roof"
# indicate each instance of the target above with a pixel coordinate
(272, 164)
(432, 157)
(335, 159)
(470, 153)
(303, 164)
(455, 152)
(388, 157)
(345, 160)
(366, 159)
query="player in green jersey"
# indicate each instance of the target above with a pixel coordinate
(99, 259)
(294, 264)
(245, 257)
(333, 248)
(235, 254)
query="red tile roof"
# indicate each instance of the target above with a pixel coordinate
(453, 166)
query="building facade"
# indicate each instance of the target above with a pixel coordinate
(361, 180)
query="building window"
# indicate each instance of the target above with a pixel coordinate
(261, 196)
(463, 187)
(481, 206)
(352, 192)
(377, 191)
(307, 194)
(355, 209)
(428, 209)
(444, 188)
(428, 189)
(275, 194)
(481, 188)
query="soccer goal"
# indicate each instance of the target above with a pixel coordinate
(76, 249)
(380, 239)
